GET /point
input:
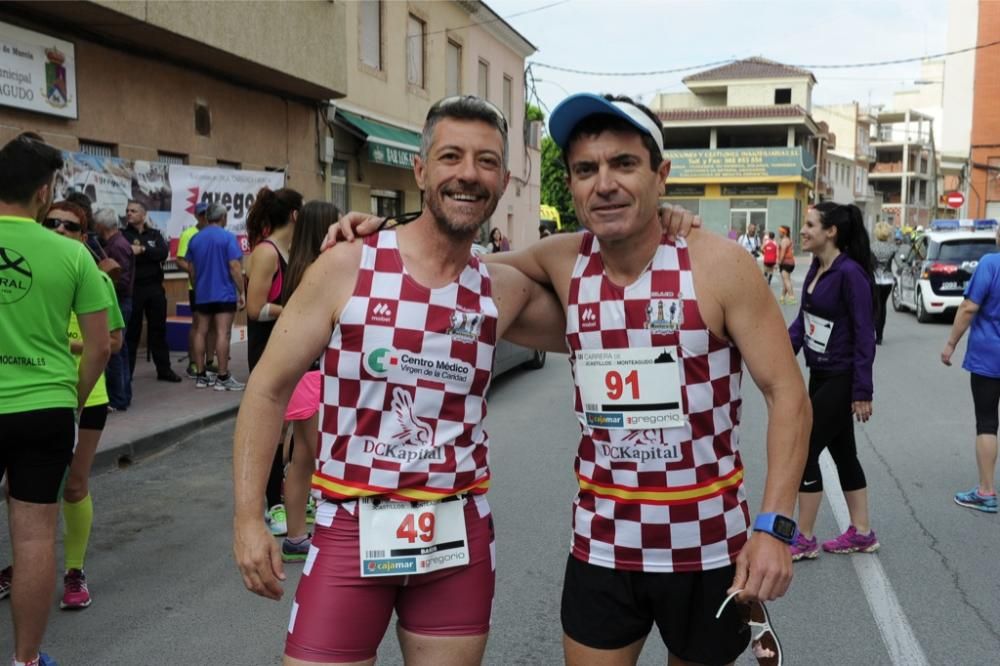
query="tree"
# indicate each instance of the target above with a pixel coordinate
(533, 113)
(554, 190)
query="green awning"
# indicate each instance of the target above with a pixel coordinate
(387, 144)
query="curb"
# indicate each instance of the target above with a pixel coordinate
(121, 455)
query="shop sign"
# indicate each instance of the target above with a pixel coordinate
(685, 190)
(37, 72)
(390, 155)
(749, 190)
(722, 163)
(747, 203)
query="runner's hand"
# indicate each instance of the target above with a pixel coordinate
(350, 225)
(946, 353)
(259, 558)
(677, 222)
(763, 569)
(862, 410)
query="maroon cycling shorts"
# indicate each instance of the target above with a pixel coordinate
(337, 616)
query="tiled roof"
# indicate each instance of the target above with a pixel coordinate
(732, 113)
(750, 68)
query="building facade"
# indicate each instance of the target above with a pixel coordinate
(403, 57)
(742, 145)
(984, 190)
(844, 177)
(905, 171)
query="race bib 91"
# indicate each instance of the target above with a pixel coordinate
(631, 389)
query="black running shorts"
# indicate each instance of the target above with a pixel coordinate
(609, 609)
(94, 418)
(787, 268)
(35, 449)
(216, 307)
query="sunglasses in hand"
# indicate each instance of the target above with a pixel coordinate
(763, 641)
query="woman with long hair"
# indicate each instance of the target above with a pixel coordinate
(835, 331)
(786, 264)
(303, 408)
(882, 254)
(270, 226)
(70, 220)
(498, 243)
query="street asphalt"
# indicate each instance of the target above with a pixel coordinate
(166, 590)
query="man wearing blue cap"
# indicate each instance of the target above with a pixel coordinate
(182, 248)
(659, 330)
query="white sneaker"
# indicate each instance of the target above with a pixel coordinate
(228, 384)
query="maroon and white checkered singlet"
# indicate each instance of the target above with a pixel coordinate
(639, 507)
(404, 381)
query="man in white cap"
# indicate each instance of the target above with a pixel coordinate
(659, 330)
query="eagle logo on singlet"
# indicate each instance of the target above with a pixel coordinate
(412, 431)
(15, 276)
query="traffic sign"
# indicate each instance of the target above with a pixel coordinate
(955, 199)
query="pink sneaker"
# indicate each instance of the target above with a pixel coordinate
(852, 542)
(803, 548)
(76, 596)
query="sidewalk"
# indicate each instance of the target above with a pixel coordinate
(162, 413)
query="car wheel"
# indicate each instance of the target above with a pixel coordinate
(537, 361)
(897, 297)
(923, 316)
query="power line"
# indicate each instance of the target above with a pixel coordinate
(880, 63)
(499, 18)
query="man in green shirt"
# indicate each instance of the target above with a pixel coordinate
(43, 279)
(182, 262)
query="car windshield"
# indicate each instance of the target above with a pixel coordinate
(969, 249)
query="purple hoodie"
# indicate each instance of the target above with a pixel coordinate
(841, 307)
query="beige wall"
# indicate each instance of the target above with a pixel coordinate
(760, 92)
(144, 106)
(385, 95)
(271, 32)
(687, 101)
(842, 119)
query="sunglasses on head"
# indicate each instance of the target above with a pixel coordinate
(55, 222)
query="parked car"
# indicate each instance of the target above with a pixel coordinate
(509, 355)
(930, 275)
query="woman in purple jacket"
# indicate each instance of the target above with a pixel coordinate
(836, 332)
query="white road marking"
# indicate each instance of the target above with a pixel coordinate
(900, 641)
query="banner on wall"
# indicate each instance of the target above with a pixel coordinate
(168, 191)
(232, 188)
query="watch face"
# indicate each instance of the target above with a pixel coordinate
(784, 527)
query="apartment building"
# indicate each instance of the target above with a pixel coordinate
(844, 177)
(743, 145)
(404, 56)
(905, 171)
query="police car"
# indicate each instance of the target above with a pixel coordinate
(930, 276)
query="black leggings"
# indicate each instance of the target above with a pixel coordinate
(833, 428)
(986, 399)
(883, 292)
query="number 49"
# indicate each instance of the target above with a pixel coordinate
(421, 527)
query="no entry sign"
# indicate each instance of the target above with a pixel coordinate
(955, 199)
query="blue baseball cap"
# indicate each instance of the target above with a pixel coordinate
(200, 208)
(575, 108)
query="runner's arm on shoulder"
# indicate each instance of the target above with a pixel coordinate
(752, 316)
(530, 314)
(263, 264)
(538, 261)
